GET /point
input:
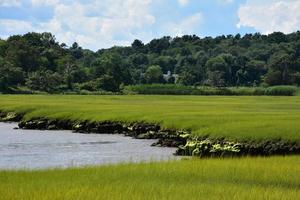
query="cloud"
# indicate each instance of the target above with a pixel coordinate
(185, 26)
(93, 25)
(44, 2)
(15, 26)
(270, 15)
(183, 2)
(10, 3)
(101, 24)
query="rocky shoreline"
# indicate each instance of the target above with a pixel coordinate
(187, 144)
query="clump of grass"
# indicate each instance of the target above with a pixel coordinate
(246, 178)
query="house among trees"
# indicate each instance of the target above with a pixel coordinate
(170, 78)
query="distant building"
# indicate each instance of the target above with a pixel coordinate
(169, 75)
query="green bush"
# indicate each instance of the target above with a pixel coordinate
(281, 90)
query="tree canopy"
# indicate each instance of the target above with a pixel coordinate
(38, 62)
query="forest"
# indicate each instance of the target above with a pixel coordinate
(38, 62)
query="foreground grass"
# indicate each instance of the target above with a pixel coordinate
(230, 117)
(245, 178)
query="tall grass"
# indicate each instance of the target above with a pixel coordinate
(246, 178)
(251, 118)
(173, 89)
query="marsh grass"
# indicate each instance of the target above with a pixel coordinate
(244, 118)
(249, 118)
(244, 178)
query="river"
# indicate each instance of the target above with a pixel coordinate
(35, 149)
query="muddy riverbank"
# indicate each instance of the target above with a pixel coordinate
(186, 143)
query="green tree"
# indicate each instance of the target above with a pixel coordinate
(217, 71)
(280, 66)
(158, 45)
(108, 83)
(67, 67)
(186, 78)
(216, 79)
(21, 54)
(47, 81)
(251, 73)
(9, 76)
(137, 45)
(154, 74)
(167, 63)
(3, 46)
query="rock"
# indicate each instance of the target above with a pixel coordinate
(52, 127)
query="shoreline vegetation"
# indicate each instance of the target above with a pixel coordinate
(176, 89)
(171, 89)
(187, 142)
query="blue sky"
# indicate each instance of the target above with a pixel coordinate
(98, 24)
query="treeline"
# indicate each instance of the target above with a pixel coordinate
(37, 62)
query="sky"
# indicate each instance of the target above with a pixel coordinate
(96, 24)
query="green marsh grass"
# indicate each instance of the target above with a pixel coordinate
(244, 178)
(245, 117)
(231, 117)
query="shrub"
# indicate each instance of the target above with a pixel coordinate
(89, 86)
(172, 89)
(281, 90)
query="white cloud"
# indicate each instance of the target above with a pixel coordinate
(97, 24)
(15, 26)
(100, 24)
(183, 2)
(270, 15)
(186, 26)
(44, 2)
(10, 3)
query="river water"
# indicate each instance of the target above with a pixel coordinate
(34, 149)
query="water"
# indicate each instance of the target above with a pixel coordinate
(34, 149)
